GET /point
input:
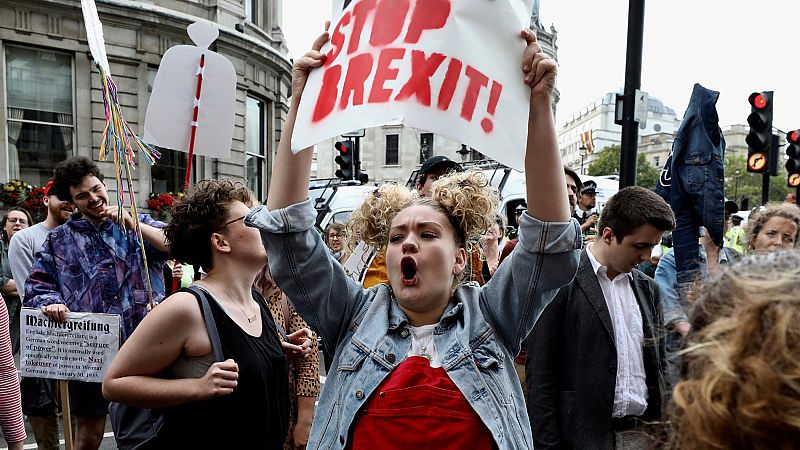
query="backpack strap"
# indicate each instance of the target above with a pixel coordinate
(211, 327)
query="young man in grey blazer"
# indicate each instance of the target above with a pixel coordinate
(596, 361)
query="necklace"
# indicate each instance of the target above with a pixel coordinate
(250, 319)
(423, 345)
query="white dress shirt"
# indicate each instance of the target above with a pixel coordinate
(630, 393)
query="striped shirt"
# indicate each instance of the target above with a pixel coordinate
(10, 403)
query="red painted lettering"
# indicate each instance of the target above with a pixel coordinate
(449, 84)
(420, 82)
(427, 15)
(327, 93)
(357, 73)
(494, 97)
(337, 39)
(360, 12)
(390, 16)
(477, 81)
(383, 73)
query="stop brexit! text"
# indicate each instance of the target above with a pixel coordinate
(387, 33)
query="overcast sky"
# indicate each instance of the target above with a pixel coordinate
(734, 47)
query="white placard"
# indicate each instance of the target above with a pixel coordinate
(359, 261)
(79, 349)
(170, 110)
(452, 68)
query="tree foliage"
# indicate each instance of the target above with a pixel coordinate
(607, 163)
(748, 185)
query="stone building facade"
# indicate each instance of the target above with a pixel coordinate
(598, 117)
(52, 105)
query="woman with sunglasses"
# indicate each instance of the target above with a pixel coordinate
(167, 363)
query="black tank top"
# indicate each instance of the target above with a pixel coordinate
(256, 414)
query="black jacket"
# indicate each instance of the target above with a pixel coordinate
(572, 363)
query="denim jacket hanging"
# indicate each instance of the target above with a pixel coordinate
(693, 182)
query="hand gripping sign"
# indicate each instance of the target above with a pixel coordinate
(446, 66)
(193, 102)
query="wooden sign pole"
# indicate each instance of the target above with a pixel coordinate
(65, 413)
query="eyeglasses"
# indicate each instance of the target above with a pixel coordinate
(21, 220)
(334, 236)
(228, 223)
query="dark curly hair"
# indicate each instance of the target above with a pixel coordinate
(71, 172)
(199, 215)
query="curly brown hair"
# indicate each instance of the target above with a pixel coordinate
(199, 215)
(467, 200)
(742, 389)
(757, 220)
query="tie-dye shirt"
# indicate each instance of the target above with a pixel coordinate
(97, 269)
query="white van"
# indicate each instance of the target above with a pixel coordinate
(335, 200)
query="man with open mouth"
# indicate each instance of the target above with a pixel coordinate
(92, 264)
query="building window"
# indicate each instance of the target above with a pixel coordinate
(656, 161)
(169, 173)
(392, 149)
(425, 146)
(41, 124)
(251, 11)
(255, 143)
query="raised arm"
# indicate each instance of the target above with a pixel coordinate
(544, 173)
(290, 174)
(546, 255)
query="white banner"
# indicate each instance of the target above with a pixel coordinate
(79, 349)
(444, 66)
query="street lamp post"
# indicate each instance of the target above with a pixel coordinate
(736, 184)
(583, 157)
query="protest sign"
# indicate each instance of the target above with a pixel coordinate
(79, 349)
(452, 68)
(192, 107)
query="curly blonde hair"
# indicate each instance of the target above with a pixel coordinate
(467, 200)
(742, 389)
(757, 220)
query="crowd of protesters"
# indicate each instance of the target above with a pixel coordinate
(453, 337)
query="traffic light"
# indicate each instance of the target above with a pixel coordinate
(793, 163)
(346, 169)
(759, 140)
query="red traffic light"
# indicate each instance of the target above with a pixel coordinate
(793, 137)
(343, 147)
(758, 100)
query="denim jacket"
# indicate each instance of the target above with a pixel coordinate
(693, 182)
(477, 336)
(667, 278)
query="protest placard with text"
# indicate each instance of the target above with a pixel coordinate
(446, 66)
(79, 349)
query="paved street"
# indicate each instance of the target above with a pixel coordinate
(30, 442)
